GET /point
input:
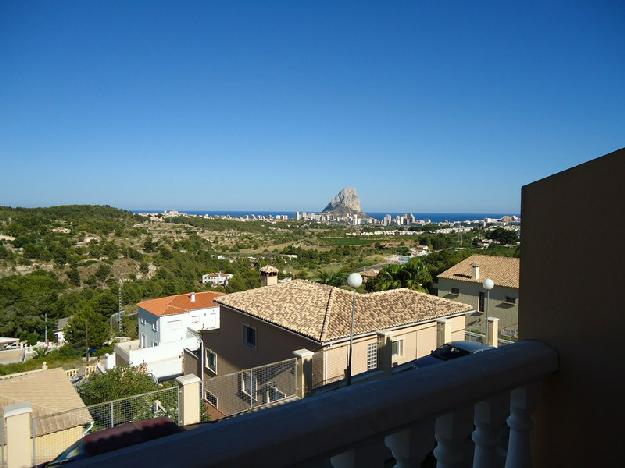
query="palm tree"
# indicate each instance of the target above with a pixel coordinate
(412, 275)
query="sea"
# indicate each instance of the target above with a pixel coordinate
(434, 217)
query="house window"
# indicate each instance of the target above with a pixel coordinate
(398, 347)
(372, 356)
(455, 291)
(481, 302)
(249, 336)
(249, 384)
(510, 300)
(155, 326)
(211, 361)
(212, 399)
(142, 321)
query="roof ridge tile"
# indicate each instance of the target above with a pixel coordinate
(326, 318)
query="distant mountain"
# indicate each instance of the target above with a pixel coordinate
(344, 203)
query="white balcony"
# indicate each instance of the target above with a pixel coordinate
(474, 411)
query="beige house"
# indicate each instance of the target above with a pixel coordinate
(59, 416)
(267, 324)
(463, 283)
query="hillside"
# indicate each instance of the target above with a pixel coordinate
(68, 261)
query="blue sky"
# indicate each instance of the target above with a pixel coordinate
(421, 105)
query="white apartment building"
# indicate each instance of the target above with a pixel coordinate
(166, 327)
(217, 279)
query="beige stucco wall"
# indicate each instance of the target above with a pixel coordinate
(272, 343)
(469, 294)
(419, 341)
(49, 446)
(190, 364)
(572, 279)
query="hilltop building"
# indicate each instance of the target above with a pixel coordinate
(463, 282)
(217, 279)
(166, 328)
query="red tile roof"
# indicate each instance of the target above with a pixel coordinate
(179, 304)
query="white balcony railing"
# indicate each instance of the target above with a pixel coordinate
(471, 411)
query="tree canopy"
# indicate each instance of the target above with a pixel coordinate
(413, 275)
(116, 383)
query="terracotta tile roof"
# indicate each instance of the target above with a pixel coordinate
(56, 404)
(504, 271)
(323, 313)
(179, 304)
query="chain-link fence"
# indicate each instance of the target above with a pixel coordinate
(480, 338)
(329, 368)
(250, 389)
(136, 408)
(54, 433)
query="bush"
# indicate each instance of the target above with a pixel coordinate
(120, 382)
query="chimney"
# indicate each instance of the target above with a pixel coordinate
(476, 271)
(268, 275)
(192, 297)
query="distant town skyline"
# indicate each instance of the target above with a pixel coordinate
(424, 107)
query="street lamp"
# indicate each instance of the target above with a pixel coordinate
(488, 284)
(353, 281)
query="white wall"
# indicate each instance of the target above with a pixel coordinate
(163, 360)
(173, 328)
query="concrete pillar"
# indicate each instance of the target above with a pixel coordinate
(385, 351)
(443, 331)
(17, 423)
(188, 399)
(493, 331)
(303, 371)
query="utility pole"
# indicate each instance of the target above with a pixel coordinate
(46, 335)
(120, 310)
(87, 341)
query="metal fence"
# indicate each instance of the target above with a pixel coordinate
(329, 369)
(136, 408)
(480, 338)
(54, 433)
(250, 389)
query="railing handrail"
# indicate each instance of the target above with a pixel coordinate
(332, 422)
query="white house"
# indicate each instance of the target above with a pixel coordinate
(166, 328)
(216, 279)
(60, 330)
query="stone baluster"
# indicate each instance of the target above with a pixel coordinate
(489, 419)
(452, 431)
(371, 454)
(411, 446)
(522, 403)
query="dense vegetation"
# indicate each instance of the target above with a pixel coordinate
(119, 382)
